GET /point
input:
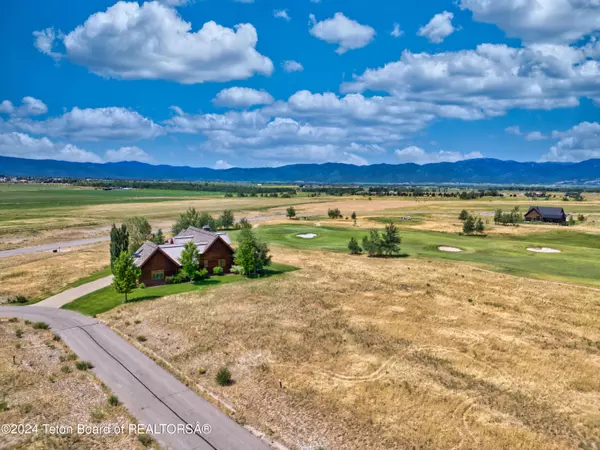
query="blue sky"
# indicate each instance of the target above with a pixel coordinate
(221, 83)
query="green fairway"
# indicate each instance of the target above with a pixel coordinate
(106, 299)
(578, 262)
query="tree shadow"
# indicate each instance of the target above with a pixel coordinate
(144, 298)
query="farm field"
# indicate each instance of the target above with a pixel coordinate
(39, 214)
(389, 353)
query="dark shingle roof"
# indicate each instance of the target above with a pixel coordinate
(548, 212)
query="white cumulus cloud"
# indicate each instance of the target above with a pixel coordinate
(30, 106)
(127, 154)
(438, 28)
(557, 21)
(340, 30)
(292, 66)
(579, 143)
(151, 41)
(241, 97)
(417, 155)
(21, 145)
(90, 124)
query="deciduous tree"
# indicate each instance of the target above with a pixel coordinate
(126, 273)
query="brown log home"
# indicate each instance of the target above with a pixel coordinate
(545, 214)
(160, 261)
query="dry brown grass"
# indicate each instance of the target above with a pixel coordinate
(43, 274)
(385, 354)
(37, 391)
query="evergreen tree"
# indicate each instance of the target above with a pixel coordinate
(354, 217)
(189, 259)
(291, 212)
(159, 237)
(119, 242)
(469, 225)
(251, 254)
(354, 247)
(226, 220)
(479, 226)
(126, 273)
(464, 215)
(139, 230)
(372, 243)
(390, 241)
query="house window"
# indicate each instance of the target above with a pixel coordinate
(158, 275)
(205, 263)
(222, 263)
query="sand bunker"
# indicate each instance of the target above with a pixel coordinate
(543, 250)
(449, 249)
(307, 236)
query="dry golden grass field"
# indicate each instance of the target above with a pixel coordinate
(40, 275)
(389, 354)
(44, 387)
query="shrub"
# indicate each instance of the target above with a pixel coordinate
(113, 400)
(145, 439)
(238, 270)
(223, 377)
(142, 286)
(168, 280)
(56, 337)
(27, 322)
(71, 357)
(3, 406)
(137, 321)
(18, 299)
(41, 326)
(179, 278)
(66, 369)
(19, 333)
(200, 274)
(142, 338)
(217, 271)
(13, 320)
(84, 365)
(354, 247)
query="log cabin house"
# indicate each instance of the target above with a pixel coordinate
(160, 261)
(546, 214)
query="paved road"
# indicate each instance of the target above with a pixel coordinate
(149, 392)
(50, 247)
(70, 295)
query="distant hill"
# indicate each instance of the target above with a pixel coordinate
(482, 171)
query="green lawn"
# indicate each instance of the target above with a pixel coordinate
(106, 299)
(579, 261)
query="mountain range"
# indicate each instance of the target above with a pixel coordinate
(473, 171)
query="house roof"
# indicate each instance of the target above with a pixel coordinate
(144, 252)
(548, 212)
(202, 238)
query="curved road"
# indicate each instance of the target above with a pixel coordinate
(149, 392)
